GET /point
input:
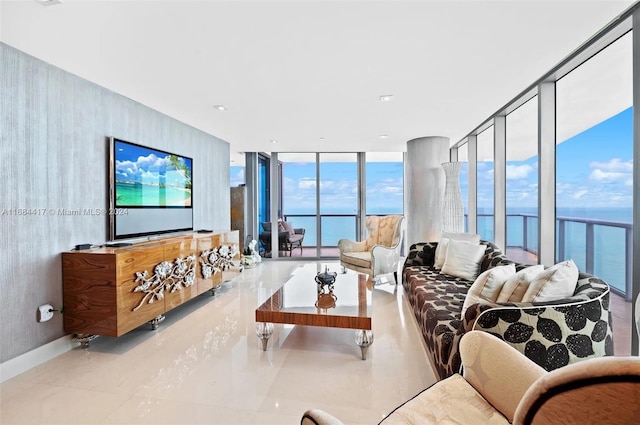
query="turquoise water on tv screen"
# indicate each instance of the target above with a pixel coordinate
(143, 195)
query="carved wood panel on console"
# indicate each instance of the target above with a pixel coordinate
(111, 291)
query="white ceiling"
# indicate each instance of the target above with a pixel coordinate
(300, 71)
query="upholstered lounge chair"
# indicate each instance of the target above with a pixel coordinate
(380, 252)
(500, 386)
(288, 237)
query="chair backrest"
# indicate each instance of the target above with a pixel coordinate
(386, 230)
(596, 391)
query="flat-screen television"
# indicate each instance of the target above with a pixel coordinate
(151, 191)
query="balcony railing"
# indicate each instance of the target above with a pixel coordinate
(333, 227)
(599, 247)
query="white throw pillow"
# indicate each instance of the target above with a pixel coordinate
(441, 249)
(555, 283)
(463, 259)
(516, 286)
(488, 285)
(441, 253)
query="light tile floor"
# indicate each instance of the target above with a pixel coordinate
(205, 365)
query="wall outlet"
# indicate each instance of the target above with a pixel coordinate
(44, 313)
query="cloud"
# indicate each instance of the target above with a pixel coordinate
(613, 165)
(611, 171)
(307, 184)
(606, 176)
(579, 194)
(519, 171)
(391, 189)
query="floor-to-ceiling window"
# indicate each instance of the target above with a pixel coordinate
(594, 169)
(330, 181)
(299, 204)
(522, 183)
(385, 183)
(338, 200)
(485, 185)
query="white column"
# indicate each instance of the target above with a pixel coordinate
(424, 182)
(547, 173)
(500, 181)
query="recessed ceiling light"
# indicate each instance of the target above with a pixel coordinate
(274, 141)
(48, 2)
(386, 97)
(322, 138)
(220, 107)
(383, 136)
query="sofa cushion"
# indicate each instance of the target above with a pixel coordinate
(488, 285)
(287, 227)
(441, 249)
(452, 401)
(515, 287)
(360, 258)
(463, 259)
(556, 282)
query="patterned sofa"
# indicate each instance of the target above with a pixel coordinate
(552, 334)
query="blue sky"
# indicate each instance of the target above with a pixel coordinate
(594, 170)
(140, 164)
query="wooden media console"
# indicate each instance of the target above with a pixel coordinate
(110, 291)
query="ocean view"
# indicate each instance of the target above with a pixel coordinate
(609, 240)
(139, 195)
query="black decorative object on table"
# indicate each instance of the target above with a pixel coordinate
(326, 278)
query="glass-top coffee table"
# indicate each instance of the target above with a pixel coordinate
(301, 301)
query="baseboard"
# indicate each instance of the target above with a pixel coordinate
(33, 358)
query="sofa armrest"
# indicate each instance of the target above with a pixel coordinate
(421, 254)
(551, 334)
(319, 417)
(499, 372)
(346, 245)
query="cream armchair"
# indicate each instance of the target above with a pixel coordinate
(380, 252)
(501, 386)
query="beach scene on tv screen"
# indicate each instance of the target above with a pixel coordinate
(145, 177)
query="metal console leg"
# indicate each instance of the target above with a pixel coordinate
(83, 339)
(155, 322)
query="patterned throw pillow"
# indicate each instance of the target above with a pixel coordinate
(555, 283)
(463, 259)
(515, 287)
(488, 285)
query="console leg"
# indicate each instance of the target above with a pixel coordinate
(364, 338)
(264, 330)
(83, 339)
(156, 321)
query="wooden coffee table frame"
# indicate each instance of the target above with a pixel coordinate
(358, 317)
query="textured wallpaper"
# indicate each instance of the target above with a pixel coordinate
(54, 153)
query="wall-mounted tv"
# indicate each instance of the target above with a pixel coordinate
(151, 191)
